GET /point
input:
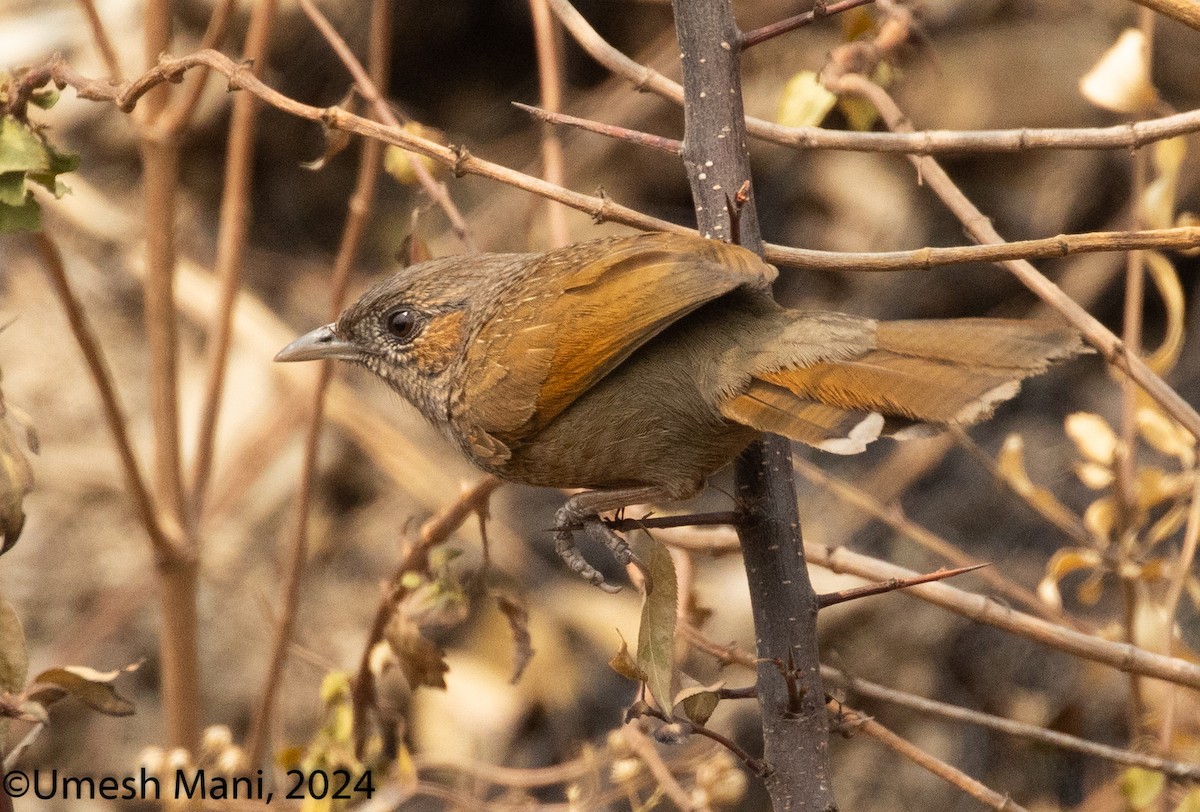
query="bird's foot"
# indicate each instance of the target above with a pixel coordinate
(571, 517)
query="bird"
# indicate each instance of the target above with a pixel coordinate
(633, 367)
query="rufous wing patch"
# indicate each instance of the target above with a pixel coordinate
(575, 318)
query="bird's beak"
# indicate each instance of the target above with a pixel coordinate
(316, 345)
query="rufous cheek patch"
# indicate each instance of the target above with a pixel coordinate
(439, 343)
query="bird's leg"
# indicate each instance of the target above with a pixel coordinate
(584, 509)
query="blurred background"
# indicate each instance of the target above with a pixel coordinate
(81, 576)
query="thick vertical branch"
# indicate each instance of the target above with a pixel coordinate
(795, 725)
(177, 573)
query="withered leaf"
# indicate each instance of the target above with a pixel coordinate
(93, 688)
(14, 656)
(623, 663)
(422, 661)
(518, 623)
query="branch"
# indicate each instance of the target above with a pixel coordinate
(164, 547)
(436, 530)
(894, 518)
(359, 209)
(601, 209)
(548, 42)
(1120, 656)
(1174, 769)
(855, 721)
(784, 606)
(980, 227)
(1183, 11)
(819, 11)
(370, 91)
(236, 213)
(1121, 136)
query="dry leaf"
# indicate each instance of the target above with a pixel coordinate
(1166, 282)
(1165, 435)
(518, 622)
(1120, 80)
(422, 661)
(804, 102)
(623, 663)
(93, 688)
(1094, 438)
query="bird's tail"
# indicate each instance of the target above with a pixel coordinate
(918, 378)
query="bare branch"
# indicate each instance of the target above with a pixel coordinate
(548, 41)
(1120, 656)
(894, 518)
(819, 11)
(370, 91)
(359, 210)
(854, 721)
(980, 227)
(164, 546)
(231, 245)
(891, 585)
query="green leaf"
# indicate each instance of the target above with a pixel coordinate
(45, 98)
(14, 656)
(26, 217)
(656, 635)
(1141, 787)
(20, 148)
(12, 189)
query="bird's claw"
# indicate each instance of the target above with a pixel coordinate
(564, 544)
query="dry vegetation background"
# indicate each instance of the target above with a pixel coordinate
(82, 576)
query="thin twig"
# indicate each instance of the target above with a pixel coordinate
(180, 112)
(818, 12)
(733, 654)
(1125, 468)
(1120, 656)
(370, 91)
(1183, 11)
(980, 227)
(114, 414)
(434, 531)
(857, 722)
(236, 213)
(602, 209)
(103, 42)
(1179, 579)
(658, 142)
(1175, 769)
(1122, 136)
(891, 585)
(644, 749)
(894, 518)
(178, 647)
(358, 212)
(548, 43)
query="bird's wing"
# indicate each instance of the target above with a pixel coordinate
(582, 311)
(905, 379)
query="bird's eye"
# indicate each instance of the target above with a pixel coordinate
(402, 324)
